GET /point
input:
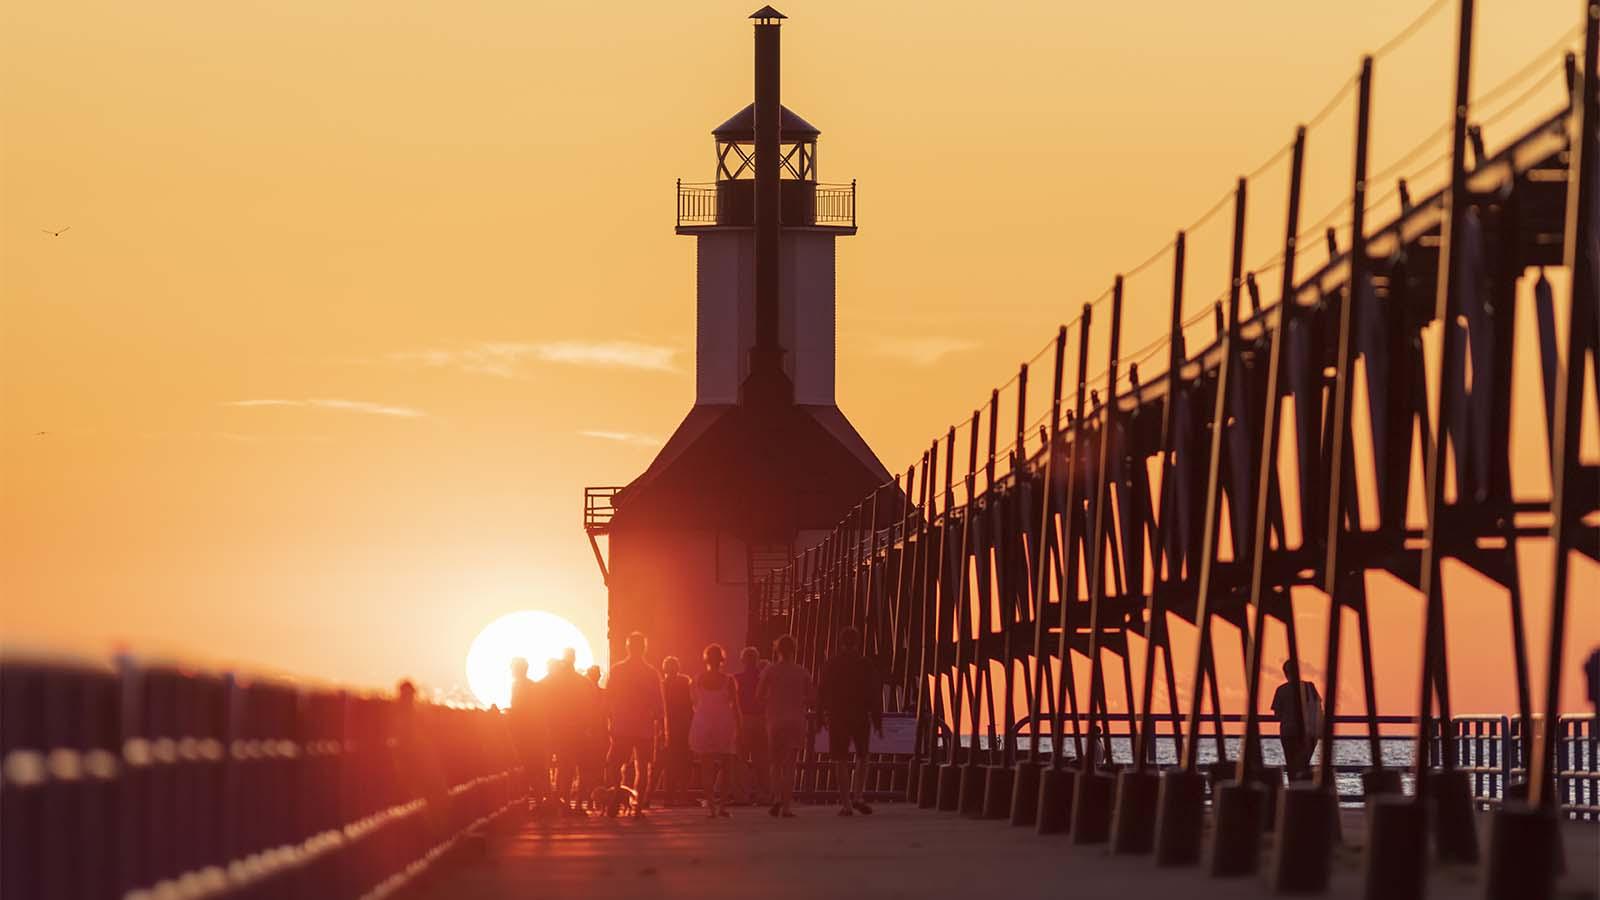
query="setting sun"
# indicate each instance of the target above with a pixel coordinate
(533, 635)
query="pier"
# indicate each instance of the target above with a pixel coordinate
(1021, 587)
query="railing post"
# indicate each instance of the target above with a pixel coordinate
(1563, 761)
(1506, 750)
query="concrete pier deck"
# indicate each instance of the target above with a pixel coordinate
(900, 852)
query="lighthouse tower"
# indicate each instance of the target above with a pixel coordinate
(764, 464)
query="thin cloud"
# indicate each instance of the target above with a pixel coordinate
(506, 359)
(242, 438)
(362, 407)
(922, 351)
(502, 360)
(609, 354)
(623, 437)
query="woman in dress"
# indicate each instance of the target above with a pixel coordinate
(714, 733)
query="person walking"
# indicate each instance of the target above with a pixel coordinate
(418, 768)
(527, 721)
(678, 708)
(851, 702)
(596, 740)
(635, 708)
(714, 733)
(571, 696)
(1297, 734)
(785, 692)
(752, 764)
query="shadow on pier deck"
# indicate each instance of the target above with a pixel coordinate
(899, 852)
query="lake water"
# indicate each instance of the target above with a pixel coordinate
(1349, 751)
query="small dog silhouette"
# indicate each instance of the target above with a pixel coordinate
(615, 801)
(547, 810)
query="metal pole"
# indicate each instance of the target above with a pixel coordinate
(1456, 839)
(1333, 572)
(1447, 308)
(933, 639)
(964, 591)
(1565, 464)
(983, 571)
(1016, 558)
(1213, 486)
(1169, 415)
(1267, 468)
(901, 610)
(1067, 577)
(1097, 535)
(1041, 558)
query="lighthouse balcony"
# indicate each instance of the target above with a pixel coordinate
(598, 508)
(732, 203)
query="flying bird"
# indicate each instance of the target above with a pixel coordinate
(56, 233)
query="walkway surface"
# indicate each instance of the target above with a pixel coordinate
(899, 852)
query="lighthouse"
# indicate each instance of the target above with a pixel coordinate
(765, 464)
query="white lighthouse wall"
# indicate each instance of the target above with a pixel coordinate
(724, 327)
(806, 328)
(725, 313)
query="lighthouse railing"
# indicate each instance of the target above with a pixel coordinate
(697, 203)
(708, 203)
(836, 204)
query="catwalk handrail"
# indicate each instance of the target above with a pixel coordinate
(951, 592)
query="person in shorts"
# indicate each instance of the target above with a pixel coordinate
(753, 768)
(785, 692)
(851, 702)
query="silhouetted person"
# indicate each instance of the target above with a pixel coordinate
(633, 699)
(1299, 736)
(785, 692)
(416, 758)
(527, 730)
(752, 765)
(714, 733)
(570, 697)
(592, 770)
(851, 702)
(678, 704)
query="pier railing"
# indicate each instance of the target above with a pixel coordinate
(1487, 746)
(144, 782)
(136, 781)
(1493, 751)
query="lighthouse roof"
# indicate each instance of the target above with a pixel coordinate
(755, 469)
(741, 126)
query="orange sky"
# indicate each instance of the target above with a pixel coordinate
(359, 295)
